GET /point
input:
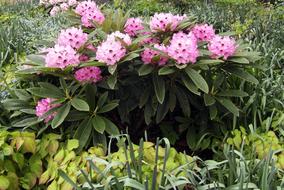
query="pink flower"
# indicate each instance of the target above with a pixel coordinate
(88, 74)
(54, 10)
(203, 32)
(91, 48)
(183, 48)
(162, 22)
(110, 51)
(124, 37)
(73, 37)
(148, 55)
(43, 106)
(61, 57)
(133, 26)
(90, 13)
(64, 6)
(72, 2)
(222, 46)
(84, 58)
(148, 40)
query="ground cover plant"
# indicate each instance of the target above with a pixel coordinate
(208, 76)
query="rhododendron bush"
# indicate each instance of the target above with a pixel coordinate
(109, 71)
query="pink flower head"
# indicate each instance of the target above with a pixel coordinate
(91, 47)
(162, 22)
(61, 57)
(54, 10)
(43, 106)
(148, 55)
(149, 40)
(203, 32)
(72, 2)
(183, 48)
(73, 37)
(124, 37)
(90, 13)
(84, 58)
(222, 46)
(88, 74)
(64, 6)
(133, 26)
(110, 51)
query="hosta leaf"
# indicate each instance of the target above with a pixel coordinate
(159, 87)
(60, 115)
(99, 124)
(197, 79)
(232, 93)
(228, 104)
(79, 104)
(145, 70)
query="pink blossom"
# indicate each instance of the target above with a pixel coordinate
(88, 74)
(72, 2)
(91, 47)
(85, 7)
(203, 32)
(110, 52)
(148, 40)
(162, 22)
(222, 46)
(84, 58)
(124, 37)
(183, 48)
(43, 106)
(54, 10)
(64, 6)
(148, 55)
(73, 37)
(133, 26)
(61, 57)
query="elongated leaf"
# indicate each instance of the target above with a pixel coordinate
(79, 104)
(162, 111)
(111, 81)
(145, 70)
(108, 107)
(52, 88)
(197, 79)
(242, 74)
(36, 59)
(228, 104)
(102, 99)
(183, 102)
(233, 93)
(60, 115)
(241, 60)
(159, 87)
(208, 100)
(83, 132)
(134, 184)
(99, 124)
(111, 128)
(26, 122)
(45, 93)
(166, 70)
(189, 85)
(209, 62)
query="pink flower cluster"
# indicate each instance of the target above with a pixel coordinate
(183, 48)
(58, 5)
(133, 26)
(162, 22)
(112, 50)
(88, 74)
(61, 57)
(203, 32)
(43, 106)
(148, 55)
(222, 46)
(73, 37)
(89, 12)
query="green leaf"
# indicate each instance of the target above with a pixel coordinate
(130, 56)
(111, 128)
(159, 87)
(112, 80)
(108, 107)
(166, 70)
(99, 124)
(183, 102)
(242, 74)
(61, 115)
(112, 68)
(241, 60)
(22, 94)
(26, 122)
(36, 59)
(72, 144)
(4, 182)
(45, 93)
(102, 99)
(51, 87)
(83, 133)
(197, 79)
(79, 104)
(208, 100)
(189, 85)
(162, 111)
(228, 104)
(134, 184)
(145, 70)
(209, 62)
(191, 138)
(233, 93)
